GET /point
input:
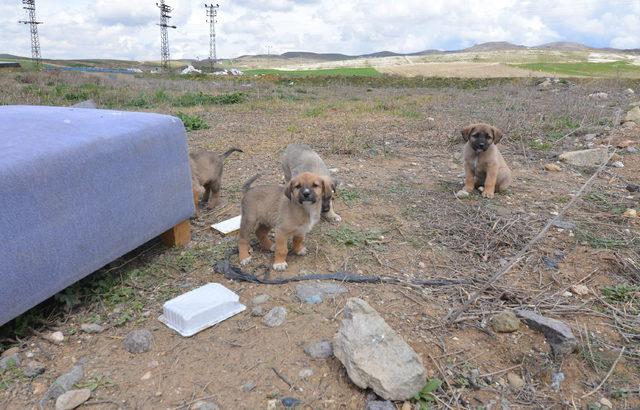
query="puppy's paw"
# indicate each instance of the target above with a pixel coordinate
(280, 266)
(302, 251)
(335, 218)
(487, 194)
(462, 194)
(245, 261)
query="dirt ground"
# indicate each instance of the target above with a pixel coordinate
(397, 154)
(459, 70)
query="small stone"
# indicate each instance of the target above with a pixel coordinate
(10, 361)
(33, 368)
(606, 403)
(10, 352)
(505, 322)
(590, 137)
(633, 115)
(257, 311)
(204, 405)
(305, 373)
(585, 158)
(55, 337)
(247, 387)
(431, 119)
(379, 405)
(39, 388)
(290, 402)
(552, 167)
(422, 265)
(91, 328)
(320, 350)
(599, 96)
(628, 92)
(625, 143)
(632, 150)
(580, 290)
(63, 383)
(275, 317)
(515, 381)
(633, 188)
(272, 404)
(556, 380)
(260, 299)
(630, 213)
(138, 341)
(406, 406)
(617, 164)
(316, 292)
(461, 194)
(559, 223)
(146, 376)
(334, 170)
(557, 333)
(567, 294)
(72, 399)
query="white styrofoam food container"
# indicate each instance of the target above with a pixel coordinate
(200, 308)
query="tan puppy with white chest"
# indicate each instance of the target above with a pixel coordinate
(291, 210)
(483, 162)
(299, 158)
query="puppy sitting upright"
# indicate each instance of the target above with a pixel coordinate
(298, 158)
(483, 162)
(291, 210)
(206, 175)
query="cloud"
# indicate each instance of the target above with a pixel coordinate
(127, 29)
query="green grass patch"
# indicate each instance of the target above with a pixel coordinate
(349, 236)
(200, 98)
(586, 69)
(600, 242)
(622, 292)
(346, 71)
(350, 195)
(315, 112)
(425, 398)
(192, 122)
(540, 145)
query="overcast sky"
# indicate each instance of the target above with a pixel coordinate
(127, 28)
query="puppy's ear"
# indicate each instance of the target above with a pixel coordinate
(289, 188)
(466, 132)
(497, 134)
(327, 188)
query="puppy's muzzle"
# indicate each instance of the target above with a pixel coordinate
(480, 146)
(307, 195)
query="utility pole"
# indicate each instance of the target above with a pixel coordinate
(165, 11)
(30, 6)
(212, 13)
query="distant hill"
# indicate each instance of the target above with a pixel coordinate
(316, 56)
(494, 46)
(564, 46)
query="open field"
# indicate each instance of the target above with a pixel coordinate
(396, 144)
(346, 71)
(586, 69)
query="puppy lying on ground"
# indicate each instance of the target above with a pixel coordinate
(291, 210)
(299, 158)
(483, 162)
(206, 175)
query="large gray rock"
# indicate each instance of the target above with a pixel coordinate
(72, 399)
(375, 356)
(633, 115)
(138, 341)
(315, 292)
(63, 384)
(557, 333)
(586, 158)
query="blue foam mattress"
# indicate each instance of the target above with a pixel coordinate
(80, 188)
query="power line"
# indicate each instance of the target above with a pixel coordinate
(212, 13)
(165, 15)
(30, 7)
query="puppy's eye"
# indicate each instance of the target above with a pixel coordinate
(298, 186)
(474, 135)
(315, 185)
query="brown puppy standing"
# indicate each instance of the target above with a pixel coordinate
(298, 158)
(483, 162)
(291, 210)
(206, 175)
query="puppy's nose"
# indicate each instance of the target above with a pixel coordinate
(306, 192)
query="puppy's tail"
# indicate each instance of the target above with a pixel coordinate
(231, 151)
(247, 185)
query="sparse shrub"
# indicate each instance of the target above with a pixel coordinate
(192, 122)
(200, 98)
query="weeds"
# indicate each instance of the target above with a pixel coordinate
(350, 196)
(200, 98)
(349, 236)
(425, 398)
(192, 122)
(622, 293)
